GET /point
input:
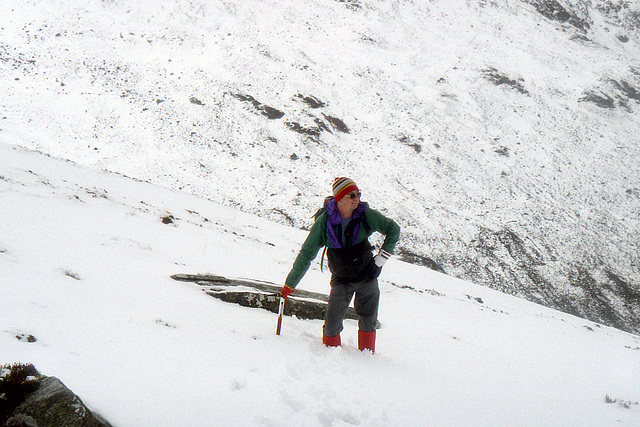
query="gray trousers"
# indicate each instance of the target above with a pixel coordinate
(365, 304)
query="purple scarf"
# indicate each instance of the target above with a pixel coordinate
(333, 219)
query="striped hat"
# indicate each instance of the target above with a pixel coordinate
(343, 186)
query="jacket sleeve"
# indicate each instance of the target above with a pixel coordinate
(309, 250)
(388, 227)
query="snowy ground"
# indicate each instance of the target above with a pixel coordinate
(85, 262)
(147, 89)
(150, 89)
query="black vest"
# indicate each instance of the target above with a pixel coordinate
(350, 261)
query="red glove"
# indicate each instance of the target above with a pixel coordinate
(285, 291)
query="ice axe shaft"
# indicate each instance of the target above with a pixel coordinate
(280, 311)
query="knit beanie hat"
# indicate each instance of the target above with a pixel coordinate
(343, 186)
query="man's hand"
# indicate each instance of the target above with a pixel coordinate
(375, 266)
(285, 291)
(382, 258)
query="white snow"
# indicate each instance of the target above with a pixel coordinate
(86, 260)
(108, 84)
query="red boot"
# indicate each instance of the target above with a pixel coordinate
(331, 341)
(367, 341)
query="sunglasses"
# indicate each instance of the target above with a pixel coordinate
(354, 195)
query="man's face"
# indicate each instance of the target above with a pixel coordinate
(349, 202)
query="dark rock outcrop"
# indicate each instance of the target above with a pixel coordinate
(265, 110)
(48, 402)
(302, 304)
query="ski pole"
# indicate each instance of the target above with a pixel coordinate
(280, 311)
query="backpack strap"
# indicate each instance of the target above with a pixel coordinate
(322, 258)
(315, 217)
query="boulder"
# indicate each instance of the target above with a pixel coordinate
(53, 404)
(258, 294)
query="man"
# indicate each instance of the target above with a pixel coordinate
(344, 225)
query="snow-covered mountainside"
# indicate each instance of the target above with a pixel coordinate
(85, 296)
(502, 135)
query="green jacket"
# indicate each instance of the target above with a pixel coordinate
(318, 237)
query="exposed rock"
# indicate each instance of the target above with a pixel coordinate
(553, 10)
(24, 337)
(623, 14)
(168, 219)
(338, 124)
(21, 420)
(413, 258)
(612, 93)
(28, 398)
(267, 111)
(312, 123)
(351, 4)
(627, 89)
(311, 101)
(498, 79)
(302, 304)
(53, 404)
(410, 142)
(313, 132)
(601, 100)
(16, 383)
(502, 150)
(317, 126)
(516, 265)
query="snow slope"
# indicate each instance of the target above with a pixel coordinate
(503, 141)
(84, 268)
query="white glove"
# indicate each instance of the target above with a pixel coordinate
(381, 258)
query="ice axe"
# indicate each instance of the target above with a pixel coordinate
(280, 312)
